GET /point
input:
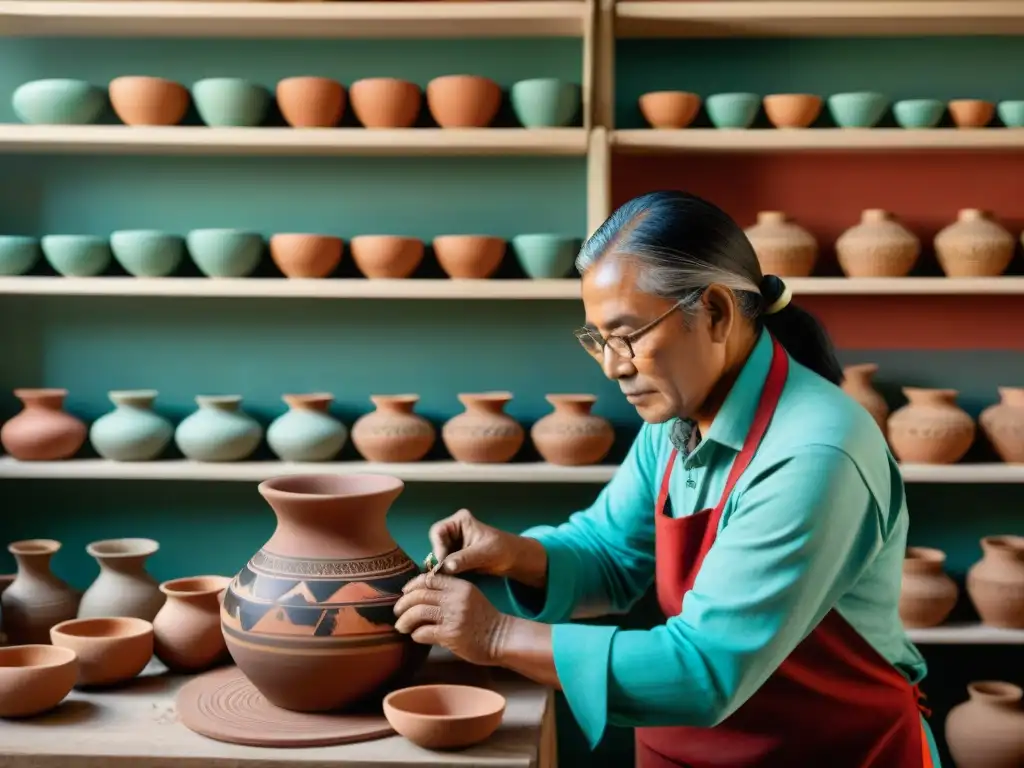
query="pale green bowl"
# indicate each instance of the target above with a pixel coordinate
(18, 254)
(58, 101)
(77, 255)
(225, 252)
(230, 102)
(147, 252)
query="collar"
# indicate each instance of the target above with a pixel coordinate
(732, 423)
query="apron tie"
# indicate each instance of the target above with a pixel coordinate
(921, 698)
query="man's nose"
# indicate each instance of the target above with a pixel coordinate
(615, 366)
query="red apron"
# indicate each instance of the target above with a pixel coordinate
(834, 701)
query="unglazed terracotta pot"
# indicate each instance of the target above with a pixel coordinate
(187, 635)
(386, 102)
(971, 113)
(1003, 425)
(132, 431)
(148, 100)
(35, 678)
(470, 257)
(393, 433)
(298, 255)
(987, 730)
(123, 588)
(792, 110)
(931, 428)
(37, 599)
(669, 109)
(43, 431)
(572, 435)
(386, 256)
(109, 650)
(311, 102)
(310, 619)
(996, 582)
(219, 431)
(463, 101)
(975, 245)
(857, 384)
(307, 431)
(483, 433)
(879, 246)
(927, 595)
(783, 247)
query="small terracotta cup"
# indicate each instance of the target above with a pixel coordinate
(971, 113)
(141, 100)
(306, 256)
(444, 716)
(471, 257)
(386, 102)
(792, 110)
(35, 678)
(386, 256)
(669, 109)
(463, 101)
(110, 650)
(311, 102)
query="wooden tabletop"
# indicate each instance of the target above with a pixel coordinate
(137, 727)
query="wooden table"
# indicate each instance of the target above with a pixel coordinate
(137, 727)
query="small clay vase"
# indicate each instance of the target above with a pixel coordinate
(386, 102)
(996, 582)
(931, 428)
(927, 595)
(309, 256)
(987, 730)
(469, 257)
(386, 256)
(36, 599)
(792, 110)
(132, 431)
(218, 431)
(783, 247)
(463, 101)
(311, 102)
(307, 431)
(1003, 425)
(186, 632)
(393, 433)
(857, 384)
(123, 588)
(879, 246)
(971, 113)
(571, 435)
(42, 431)
(669, 109)
(975, 245)
(483, 433)
(148, 100)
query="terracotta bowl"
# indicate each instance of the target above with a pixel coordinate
(148, 100)
(386, 102)
(299, 255)
(109, 650)
(669, 109)
(463, 101)
(386, 256)
(444, 716)
(792, 110)
(469, 256)
(35, 678)
(311, 102)
(971, 113)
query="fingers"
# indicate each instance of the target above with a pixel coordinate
(417, 616)
(428, 581)
(446, 535)
(417, 597)
(428, 634)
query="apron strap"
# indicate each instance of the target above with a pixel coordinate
(663, 491)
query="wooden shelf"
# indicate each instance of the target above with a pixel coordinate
(820, 18)
(147, 18)
(200, 140)
(966, 634)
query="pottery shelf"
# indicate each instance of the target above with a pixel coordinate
(966, 634)
(134, 140)
(127, 18)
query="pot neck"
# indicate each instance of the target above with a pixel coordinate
(203, 592)
(923, 560)
(395, 403)
(862, 373)
(771, 217)
(572, 405)
(875, 216)
(225, 403)
(1013, 396)
(33, 556)
(486, 403)
(1004, 549)
(942, 397)
(140, 400)
(996, 694)
(319, 402)
(42, 399)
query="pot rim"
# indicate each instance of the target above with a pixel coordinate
(128, 627)
(496, 704)
(34, 547)
(214, 585)
(144, 548)
(379, 483)
(55, 656)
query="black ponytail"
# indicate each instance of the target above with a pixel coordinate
(798, 331)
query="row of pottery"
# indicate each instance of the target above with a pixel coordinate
(975, 245)
(454, 101)
(219, 430)
(237, 253)
(858, 109)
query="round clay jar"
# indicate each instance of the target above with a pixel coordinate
(572, 435)
(931, 428)
(783, 247)
(857, 384)
(393, 433)
(928, 595)
(483, 433)
(879, 246)
(975, 245)
(996, 582)
(1003, 425)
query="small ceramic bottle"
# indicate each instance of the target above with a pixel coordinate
(931, 428)
(975, 245)
(572, 435)
(483, 433)
(393, 433)
(307, 431)
(987, 730)
(1003, 425)
(43, 431)
(996, 582)
(783, 247)
(218, 431)
(857, 384)
(927, 595)
(879, 246)
(186, 632)
(132, 431)
(123, 588)
(36, 600)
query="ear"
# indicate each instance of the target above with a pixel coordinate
(721, 309)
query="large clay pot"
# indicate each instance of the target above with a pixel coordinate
(36, 599)
(975, 245)
(996, 582)
(310, 619)
(931, 428)
(219, 431)
(927, 595)
(132, 431)
(483, 433)
(43, 431)
(123, 588)
(307, 431)
(572, 435)
(1003, 425)
(187, 635)
(783, 247)
(987, 730)
(393, 433)
(857, 384)
(879, 246)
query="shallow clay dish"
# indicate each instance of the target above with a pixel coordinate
(109, 650)
(444, 716)
(35, 678)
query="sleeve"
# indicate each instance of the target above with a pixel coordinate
(798, 539)
(600, 560)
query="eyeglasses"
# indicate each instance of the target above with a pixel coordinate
(594, 343)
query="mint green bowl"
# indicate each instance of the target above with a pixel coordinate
(543, 256)
(18, 254)
(225, 252)
(918, 113)
(732, 110)
(230, 102)
(58, 101)
(859, 109)
(545, 102)
(77, 255)
(1011, 113)
(147, 252)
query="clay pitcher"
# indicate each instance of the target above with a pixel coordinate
(1003, 425)
(123, 588)
(987, 730)
(927, 595)
(393, 433)
(43, 431)
(857, 384)
(483, 433)
(36, 600)
(996, 582)
(572, 435)
(310, 619)
(186, 632)
(931, 428)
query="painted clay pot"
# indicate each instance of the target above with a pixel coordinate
(669, 109)
(483, 433)
(783, 248)
(996, 582)
(386, 256)
(463, 101)
(386, 102)
(857, 384)
(123, 588)
(307, 431)
(148, 100)
(975, 245)
(43, 431)
(572, 435)
(792, 110)
(469, 257)
(987, 730)
(879, 246)
(218, 431)
(299, 255)
(927, 595)
(1003, 425)
(36, 600)
(971, 113)
(310, 619)
(393, 433)
(187, 635)
(132, 431)
(931, 428)
(311, 102)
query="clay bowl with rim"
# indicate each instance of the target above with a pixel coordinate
(792, 110)
(469, 257)
(35, 678)
(140, 100)
(311, 102)
(386, 102)
(669, 109)
(386, 256)
(971, 113)
(303, 255)
(444, 716)
(110, 650)
(463, 101)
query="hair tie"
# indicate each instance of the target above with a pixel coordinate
(776, 293)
